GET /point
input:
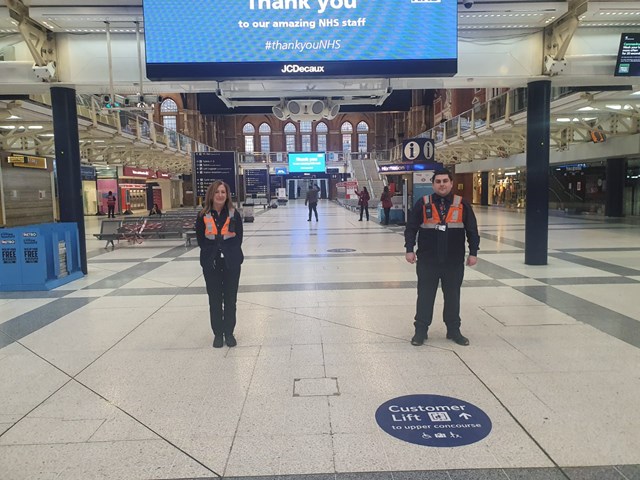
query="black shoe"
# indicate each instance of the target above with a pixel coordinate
(360, 220)
(458, 338)
(309, 220)
(218, 341)
(419, 338)
(230, 339)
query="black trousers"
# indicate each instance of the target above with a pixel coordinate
(110, 211)
(450, 276)
(387, 211)
(312, 208)
(222, 288)
(364, 208)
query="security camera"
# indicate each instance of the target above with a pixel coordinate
(467, 3)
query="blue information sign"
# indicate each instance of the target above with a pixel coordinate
(433, 420)
(87, 172)
(211, 166)
(408, 167)
(256, 182)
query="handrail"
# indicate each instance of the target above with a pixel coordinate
(130, 123)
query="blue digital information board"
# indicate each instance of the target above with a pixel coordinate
(433, 420)
(307, 162)
(211, 166)
(256, 181)
(218, 39)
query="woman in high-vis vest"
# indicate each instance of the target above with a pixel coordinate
(219, 234)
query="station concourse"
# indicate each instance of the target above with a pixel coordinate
(113, 375)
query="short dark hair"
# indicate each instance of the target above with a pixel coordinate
(442, 171)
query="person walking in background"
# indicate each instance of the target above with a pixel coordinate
(441, 221)
(219, 234)
(312, 201)
(111, 205)
(363, 201)
(385, 199)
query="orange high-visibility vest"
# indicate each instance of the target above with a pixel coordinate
(211, 229)
(431, 214)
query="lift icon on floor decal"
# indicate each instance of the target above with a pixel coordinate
(433, 420)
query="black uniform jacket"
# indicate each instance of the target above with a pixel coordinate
(438, 246)
(231, 248)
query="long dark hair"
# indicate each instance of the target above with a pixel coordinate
(208, 198)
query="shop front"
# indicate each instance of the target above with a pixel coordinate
(578, 188)
(507, 188)
(132, 189)
(170, 191)
(89, 190)
(106, 181)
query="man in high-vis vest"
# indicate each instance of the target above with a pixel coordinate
(441, 221)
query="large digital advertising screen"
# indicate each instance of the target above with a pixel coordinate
(628, 61)
(307, 162)
(236, 39)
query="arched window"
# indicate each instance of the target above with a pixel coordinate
(321, 135)
(169, 106)
(265, 137)
(363, 130)
(347, 131)
(290, 137)
(305, 131)
(248, 131)
(169, 113)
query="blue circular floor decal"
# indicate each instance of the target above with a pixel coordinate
(433, 420)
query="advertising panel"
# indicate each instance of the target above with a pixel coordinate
(231, 39)
(628, 61)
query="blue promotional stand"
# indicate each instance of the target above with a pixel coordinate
(396, 214)
(39, 257)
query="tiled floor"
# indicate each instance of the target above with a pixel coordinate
(113, 376)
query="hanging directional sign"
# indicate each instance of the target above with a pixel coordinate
(433, 420)
(418, 150)
(211, 166)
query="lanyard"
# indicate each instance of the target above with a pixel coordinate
(443, 209)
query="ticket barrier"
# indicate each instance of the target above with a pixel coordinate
(39, 257)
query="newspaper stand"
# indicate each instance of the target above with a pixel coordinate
(39, 257)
